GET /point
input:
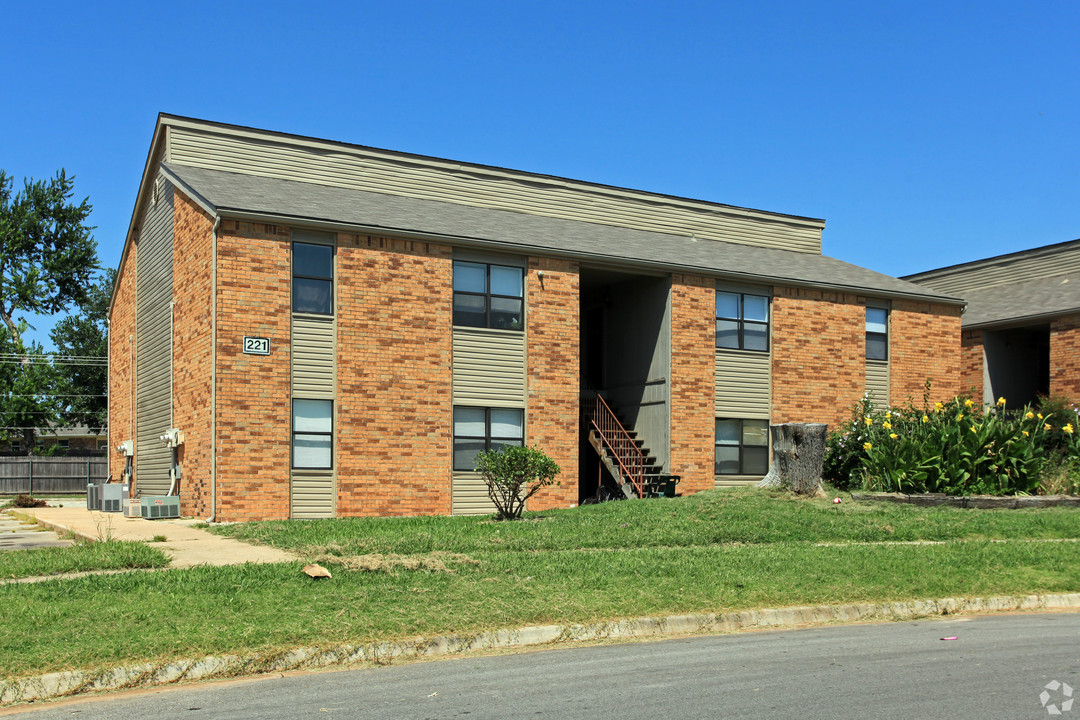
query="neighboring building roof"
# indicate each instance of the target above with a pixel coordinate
(1013, 288)
(241, 195)
(1020, 302)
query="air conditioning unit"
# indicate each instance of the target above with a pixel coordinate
(93, 496)
(131, 508)
(112, 496)
(158, 507)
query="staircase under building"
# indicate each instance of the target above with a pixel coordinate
(623, 454)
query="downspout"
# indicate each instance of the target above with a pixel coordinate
(172, 372)
(213, 370)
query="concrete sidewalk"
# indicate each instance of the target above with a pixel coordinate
(188, 546)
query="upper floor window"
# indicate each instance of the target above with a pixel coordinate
(313, 278)
(877, 334)
(742, 321)
(488, 296)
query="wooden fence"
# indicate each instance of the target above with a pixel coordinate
(50, 475)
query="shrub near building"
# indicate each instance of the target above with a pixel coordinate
(957, 448)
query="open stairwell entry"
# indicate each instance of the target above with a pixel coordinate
(623, 455)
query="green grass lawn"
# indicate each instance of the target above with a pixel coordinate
(716, 551)
(112, 555)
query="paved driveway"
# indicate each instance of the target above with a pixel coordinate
(18, 535)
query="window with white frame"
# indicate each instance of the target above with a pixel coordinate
(477, 429)
(742, 321)
(312, 434)
(742, 447)
(488, 296)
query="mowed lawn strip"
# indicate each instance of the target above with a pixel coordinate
(120, 619)
(81, 557)
(708, 518)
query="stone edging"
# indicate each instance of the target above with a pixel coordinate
(1009, 502)
(74, 682)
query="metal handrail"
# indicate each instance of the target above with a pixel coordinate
(615, 437)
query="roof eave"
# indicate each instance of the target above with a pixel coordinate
(607, 260)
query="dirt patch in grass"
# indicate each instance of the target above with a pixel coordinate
(437, 561)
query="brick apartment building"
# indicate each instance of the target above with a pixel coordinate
(1021, 329)
(337, 330)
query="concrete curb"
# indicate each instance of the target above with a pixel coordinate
(983, 502)
(55, 527)
(74, 682)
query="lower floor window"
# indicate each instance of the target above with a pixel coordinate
(742, 447)
(477, 429)
(313, 434)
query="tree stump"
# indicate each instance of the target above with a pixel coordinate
(798, 457)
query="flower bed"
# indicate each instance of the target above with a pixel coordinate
(957, 448)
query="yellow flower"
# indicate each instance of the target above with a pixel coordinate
(938, 407)
(1026, 433)
(1001, 401)
(893, 435)
(959, 417)
(1029, 416)
(887, 425)
(1039, 416)
(925, 419)
(1067, 429)
(869, 421)
(867, 446)
(1046, 426)
(973, 429)
(968, 403)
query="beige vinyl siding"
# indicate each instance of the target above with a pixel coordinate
(1037, 266)
(743, 384)
(469, 495)
(877, 382)
(313, 357)
(431, 179)
(489, 367)
(153, 341)
(313, 493)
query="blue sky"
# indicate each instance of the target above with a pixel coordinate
(925, 133)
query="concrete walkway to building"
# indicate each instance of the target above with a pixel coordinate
(188, 546)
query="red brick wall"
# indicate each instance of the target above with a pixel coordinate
(253, 409)
(192, 251)
(121, 357)
(924, 345)
(553, 416)
(1065, 357)
(971, 364)
(693, 381)
(818, 355)
(395, 413)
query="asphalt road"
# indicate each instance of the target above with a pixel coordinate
(997, 667)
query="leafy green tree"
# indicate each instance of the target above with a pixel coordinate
(82, 382)
(513, 475)
(27, 386)
(48, 259)
(48, 256)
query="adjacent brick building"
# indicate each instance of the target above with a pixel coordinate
(1021, 328)
(336, 330)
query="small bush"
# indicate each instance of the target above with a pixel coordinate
(513, 475)
(26, 501)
